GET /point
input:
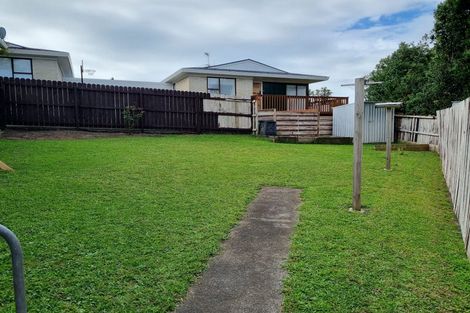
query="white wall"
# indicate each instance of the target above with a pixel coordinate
(183, 84)
(244, 85)
(46, 69)
(197, 83)
(374, 122)
(244, 88)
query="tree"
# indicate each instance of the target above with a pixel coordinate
(404, 77)
(429, 75)
(450, 66)
(322, 92)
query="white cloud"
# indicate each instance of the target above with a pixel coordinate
(148, 40)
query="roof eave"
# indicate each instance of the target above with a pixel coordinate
(184, 72)
(33, 52)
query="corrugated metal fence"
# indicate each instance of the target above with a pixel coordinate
(374, 122)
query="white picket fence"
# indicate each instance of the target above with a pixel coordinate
(454, 150)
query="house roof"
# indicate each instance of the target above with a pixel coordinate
(244, 68)
(247, 65)
(63, 58)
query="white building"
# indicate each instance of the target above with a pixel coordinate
(24, 62)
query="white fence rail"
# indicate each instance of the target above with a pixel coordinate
(454, 149)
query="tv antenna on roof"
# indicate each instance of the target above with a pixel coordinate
(85, 70)
(3, 33)
(207, 54)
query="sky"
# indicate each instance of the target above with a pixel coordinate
(147, 40)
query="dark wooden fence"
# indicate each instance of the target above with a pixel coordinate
(52, 104)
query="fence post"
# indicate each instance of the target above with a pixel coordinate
(18, 271)
(252, 115)
(142, 107)
(318, 124)
(3, 102)
(200, 112)
(78, 101)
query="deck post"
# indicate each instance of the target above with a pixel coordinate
(318, 124)
(358, 126)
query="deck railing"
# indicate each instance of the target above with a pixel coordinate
(323, 105)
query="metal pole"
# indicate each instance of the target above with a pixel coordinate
(17, 267)
(389, 138)
(358, 125)
(81, 72)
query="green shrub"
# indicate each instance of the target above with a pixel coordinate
(132, 115)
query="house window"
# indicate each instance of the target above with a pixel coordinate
(16, 68)
(6, 69)
(296, 90)
(221, 86)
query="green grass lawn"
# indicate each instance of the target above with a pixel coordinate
(127, 224)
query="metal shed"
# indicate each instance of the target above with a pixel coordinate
(374, 122)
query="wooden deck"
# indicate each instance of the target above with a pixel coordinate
(298, 124)
(322, 105)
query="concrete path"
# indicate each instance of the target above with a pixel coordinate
(247, 275)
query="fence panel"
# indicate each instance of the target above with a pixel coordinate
(415, 128)
(52, 104)
(232, 114)
(454, 149)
